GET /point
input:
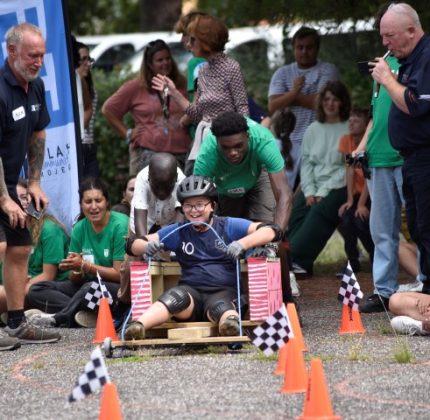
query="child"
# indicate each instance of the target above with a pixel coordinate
(207, 286)
(354, 213)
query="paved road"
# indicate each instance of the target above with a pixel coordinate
(181, 383)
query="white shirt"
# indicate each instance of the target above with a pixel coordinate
(160, 212)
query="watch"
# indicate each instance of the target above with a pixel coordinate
(128, 135)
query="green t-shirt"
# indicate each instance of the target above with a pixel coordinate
(193, 69)
(50, 249)
(236, 180)
(101, 248)
(380, 152)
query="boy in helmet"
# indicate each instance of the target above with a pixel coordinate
(207, 286)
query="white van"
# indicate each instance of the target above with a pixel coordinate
(111, 50)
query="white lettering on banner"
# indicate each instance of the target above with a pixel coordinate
(50, 81)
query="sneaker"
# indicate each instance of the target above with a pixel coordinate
(293, 284)
(408, 325)
(374, 303)
(41, 319)
(297, 269)
(3, 318)
(230, 326)
(415, 286)
(135, 331)
(7, 342)
(86, 319)
(28, 333)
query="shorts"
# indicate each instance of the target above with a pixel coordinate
(13, 236)
(205, 298)
(258, 204)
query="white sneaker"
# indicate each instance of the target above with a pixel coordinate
(415, 286)
(297, 269)
(408, 325)
(293, 284)
(86, 319)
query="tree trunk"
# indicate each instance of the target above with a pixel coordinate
(159, 15)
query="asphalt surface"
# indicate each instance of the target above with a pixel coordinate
(363, 379)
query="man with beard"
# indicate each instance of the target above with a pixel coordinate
(23, 118)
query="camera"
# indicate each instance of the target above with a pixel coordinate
(360, 160)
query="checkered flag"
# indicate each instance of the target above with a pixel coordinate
(95, 292)
(95, 375)
(273, 333)
(350, 293)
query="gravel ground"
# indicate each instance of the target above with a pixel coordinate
(363, 379)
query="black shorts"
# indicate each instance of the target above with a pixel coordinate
(204, 298)
(13, 236)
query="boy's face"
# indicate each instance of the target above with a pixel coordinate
(198, 209)
(162, 188)
(357, 125)
(234, 147)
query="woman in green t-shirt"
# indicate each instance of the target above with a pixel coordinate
(96, 246)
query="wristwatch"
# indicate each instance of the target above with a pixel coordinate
(128, 136)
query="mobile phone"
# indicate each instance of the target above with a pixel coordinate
(364, 67)
(31, 211)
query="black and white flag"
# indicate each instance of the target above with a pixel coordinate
(273, 333)
(96, 291)
(350, 293)
(95, 375)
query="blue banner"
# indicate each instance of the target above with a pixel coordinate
(60, 172)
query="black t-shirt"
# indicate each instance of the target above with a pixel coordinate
(21, 114)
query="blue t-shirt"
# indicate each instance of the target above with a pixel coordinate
(202, 254)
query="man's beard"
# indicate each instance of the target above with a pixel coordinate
(25, 73)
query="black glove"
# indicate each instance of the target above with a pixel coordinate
(153, 247)
(235, 250)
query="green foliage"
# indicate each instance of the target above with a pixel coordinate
(112, 151)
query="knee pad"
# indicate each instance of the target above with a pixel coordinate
(218, 308)
(175, 300)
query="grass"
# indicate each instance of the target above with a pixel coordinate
(133, 358)
(402, 352)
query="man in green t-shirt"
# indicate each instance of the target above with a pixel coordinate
(243, 159)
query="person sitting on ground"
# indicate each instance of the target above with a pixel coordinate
(413, 313)
(50, 244)
(315, 211)
(207, 287)
(154, 205)
(127, 195)
(354, 213)
(96, 247)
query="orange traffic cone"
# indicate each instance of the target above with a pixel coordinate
(109, 406)
(351, 321)
(104, 327)
(282, 360)
(295, 325)
(317, 401)
(295, 378)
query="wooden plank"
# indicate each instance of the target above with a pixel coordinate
(167, 325)
(167, 342)
(191, 332)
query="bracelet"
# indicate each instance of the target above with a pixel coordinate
(128, 136)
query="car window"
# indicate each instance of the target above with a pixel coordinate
(114, 55)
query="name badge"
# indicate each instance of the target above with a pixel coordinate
(18, 114)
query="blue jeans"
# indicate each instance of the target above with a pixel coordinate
(385, 188)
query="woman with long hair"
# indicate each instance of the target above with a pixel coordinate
(156, 118)
(323, 186)
(96, 248)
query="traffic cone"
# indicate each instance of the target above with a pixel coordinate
(109, 406)
(295, 378)
(351, 321)
(282, 360)
(295, 325)
(104, 327)
(317, 403)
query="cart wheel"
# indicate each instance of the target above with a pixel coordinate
(234, 346)
(107, 347)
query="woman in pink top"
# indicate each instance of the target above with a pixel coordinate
(156, 117)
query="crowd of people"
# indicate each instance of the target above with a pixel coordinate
(209, 184)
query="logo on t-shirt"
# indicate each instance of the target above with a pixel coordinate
(219, 244)
(106, 252)
(35, 107)
(238, 190)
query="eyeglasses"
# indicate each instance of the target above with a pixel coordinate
(157, 43)
(87, 58)
(198, 206)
